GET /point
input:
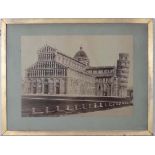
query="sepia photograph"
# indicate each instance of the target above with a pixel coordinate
(78, 75)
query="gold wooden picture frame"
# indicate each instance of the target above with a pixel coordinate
(5, 22)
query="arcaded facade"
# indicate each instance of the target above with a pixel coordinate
(55, 73)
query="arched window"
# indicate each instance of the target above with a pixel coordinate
(34, 87)
(46, 89)
(58, 87)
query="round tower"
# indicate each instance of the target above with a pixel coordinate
(81, 56)
(122, 74)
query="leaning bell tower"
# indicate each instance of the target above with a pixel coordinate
(123, 74)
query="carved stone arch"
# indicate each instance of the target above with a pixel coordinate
(39, 85)
(105, 89)
(51, 86)
(46, 86)
(57, 86)
(109, 89)
(34, 86)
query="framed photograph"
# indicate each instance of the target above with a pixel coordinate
(77, 76)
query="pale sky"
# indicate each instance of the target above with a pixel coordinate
(102, 50)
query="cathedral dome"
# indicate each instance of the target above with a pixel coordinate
(81, 56)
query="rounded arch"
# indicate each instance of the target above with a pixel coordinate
(46, 86)
(39, 85)
(34, 86)
(107, 89)
(57, 85)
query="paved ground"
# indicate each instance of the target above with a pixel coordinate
(39, 106)
(123, 111)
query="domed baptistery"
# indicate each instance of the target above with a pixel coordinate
(81, 56)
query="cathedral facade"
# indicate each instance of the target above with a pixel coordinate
(55, 73)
